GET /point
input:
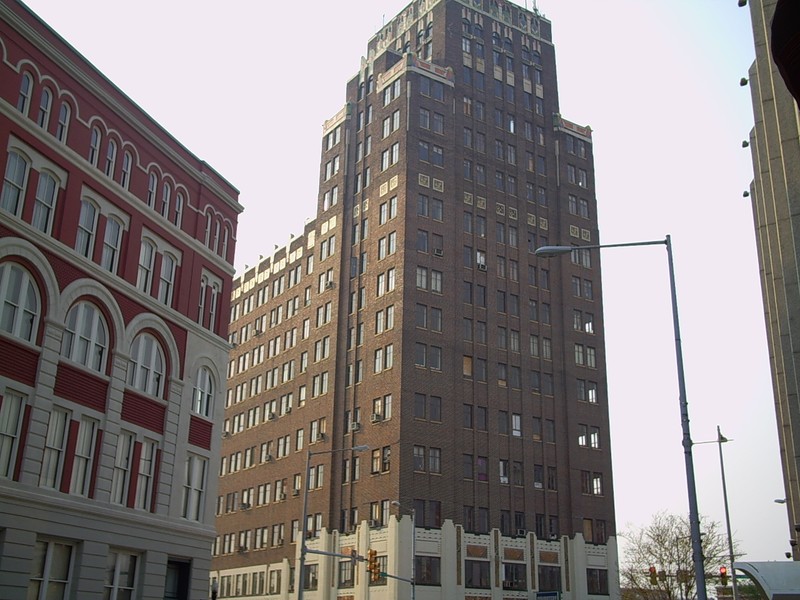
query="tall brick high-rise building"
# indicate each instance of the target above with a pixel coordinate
(111, 378)
(412, 316)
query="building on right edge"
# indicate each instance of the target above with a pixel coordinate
(412, 316)
(775, 196)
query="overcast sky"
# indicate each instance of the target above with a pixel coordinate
(246, 86)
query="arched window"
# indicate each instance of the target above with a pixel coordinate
(151, 190)
(147, 256)
(125, 176)
(94, 146)
(203, 392)
(466, 26)
(63, 122)
(111, 244)
(45, 103)
(225, 236)
(508, 45)
(208, 230)
(496, 39)
(166, 194)
(111, 158)
(215, 245)
(14, 183)
(25, 89)
(19, 314)
(45, 202)
(146, 367)
(85, 338)
(87, 225)
(179, 201)
(477, 30)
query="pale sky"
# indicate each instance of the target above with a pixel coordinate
(246, 86)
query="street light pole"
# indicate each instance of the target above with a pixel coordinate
(303, 523)
(694, 517)
(721, 439)
(413, 547)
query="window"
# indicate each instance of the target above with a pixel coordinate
(121, 574)
(85, 339)
(20, 302)
(45, 202)
(54, 449)
(84, 452)
(167, 281)
(11, 412)
(111, 158)
(514, 576)
(94, 146)
(427, 570)
(194, 487)
(166, 195)
(476, 574)
(14, 184)
(597, 582)
(146, 367)
(45, 103)
(87, 224)
(25, 89)
(151, 200)
(147, 256)
(203, 392)
(63, 123)
(111, 245)
(50, 575)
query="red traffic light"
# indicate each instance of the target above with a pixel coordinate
(723, 575)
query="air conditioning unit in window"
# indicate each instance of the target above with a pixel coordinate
(234, 344)
(271, 416)
(295, 492)
(258, 332)
(481, 267)
(279, 542)
(374, 523)
(282, 496)
(268, 458)
(320, 437)
(244, 506)
(226, 434)
(355, 426)
(553, 537)
(330, 285)
(288, 410)
(522, 532)
(438, 252)
(376, 418)
(242, 549)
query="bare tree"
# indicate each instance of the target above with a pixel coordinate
(666, 545)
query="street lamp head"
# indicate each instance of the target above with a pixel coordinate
(553, 251)
(396, 503)
(780, 500)
(359, 448)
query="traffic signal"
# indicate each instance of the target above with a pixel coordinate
(723, 575)
(372, 566)
(653, 576)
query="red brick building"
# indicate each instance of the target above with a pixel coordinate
(116, 251)
(412, 316)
